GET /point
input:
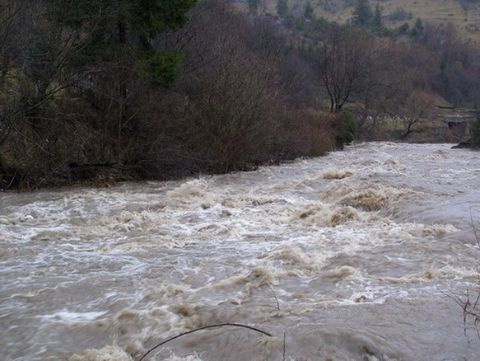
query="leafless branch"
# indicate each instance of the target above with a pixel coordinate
(200, 329)
(474, 228)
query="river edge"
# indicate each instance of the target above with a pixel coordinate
(110, 180)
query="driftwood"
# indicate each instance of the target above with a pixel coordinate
(200, 329)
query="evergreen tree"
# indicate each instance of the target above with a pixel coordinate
(282, 8)
(362, 14)
(417, 28)
(475, 133)
(403, 29)
(252, 6)
(123, 31)
(308, 11)
(377, 18)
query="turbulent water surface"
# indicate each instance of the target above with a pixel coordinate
(355, 256)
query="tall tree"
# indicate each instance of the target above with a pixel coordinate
(342, 58)
(120, 49)
(362, 14)
(125, 29)
(252, 6)
(308, 12)
(417, 28)
(282, 8)
(377, 18)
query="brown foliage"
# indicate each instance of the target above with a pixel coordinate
(232, 109)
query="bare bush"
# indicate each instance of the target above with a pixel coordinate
(417, 108)
(233, 108)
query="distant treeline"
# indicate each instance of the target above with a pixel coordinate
(103, 90)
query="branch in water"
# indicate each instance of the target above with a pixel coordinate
(200, 329)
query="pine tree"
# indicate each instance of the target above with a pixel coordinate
(308, 11)
(417, 28)
(362, 15)
(252, 6)
(123, 31)
(403, 29)
(282, 8)
(377, 18)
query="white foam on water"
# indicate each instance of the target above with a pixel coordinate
(72, 317)
(358, 239)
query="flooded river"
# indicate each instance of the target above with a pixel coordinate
(354, 256)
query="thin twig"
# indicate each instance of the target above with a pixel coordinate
(470, 310)
(204, 328)
(11, 181)
(275, 297)
(474, 228)
(278, 308)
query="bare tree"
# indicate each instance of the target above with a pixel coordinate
(417, 108)
(342, 57)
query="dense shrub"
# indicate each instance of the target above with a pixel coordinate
(475, 132)
(350, 126)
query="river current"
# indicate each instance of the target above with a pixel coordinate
(353, 256)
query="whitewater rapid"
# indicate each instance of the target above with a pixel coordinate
(353, 256)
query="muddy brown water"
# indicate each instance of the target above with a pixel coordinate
(352, 255)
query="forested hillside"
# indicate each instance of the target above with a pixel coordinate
(464, 14)
(99, 90)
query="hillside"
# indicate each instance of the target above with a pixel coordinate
(464, 14)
